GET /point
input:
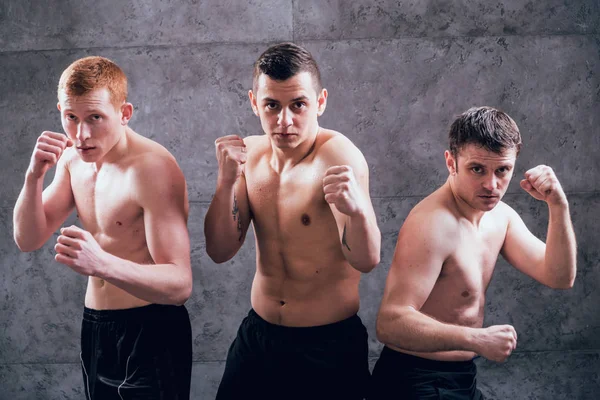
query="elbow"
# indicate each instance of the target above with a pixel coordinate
(24, 246)
(563, 285)
(367, 265)
(382, 331)
(564, 282)
(218, 257)
(219, 253)
(182, 295)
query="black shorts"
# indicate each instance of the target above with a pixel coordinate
(136, 353)
(402, 376)
(267, 361)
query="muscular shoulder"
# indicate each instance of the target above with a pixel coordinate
(503, 214)
(153, 169)
(337, 149)
(69, 158)
(431, 226)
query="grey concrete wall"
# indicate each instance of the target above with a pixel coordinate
(397, 73)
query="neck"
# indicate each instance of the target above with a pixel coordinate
(468, 212)
(117, 151)
(282, 159)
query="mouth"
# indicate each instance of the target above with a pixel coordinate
(489, 197)
(85, 148)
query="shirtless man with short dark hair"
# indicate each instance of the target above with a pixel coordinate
(431, 316)
(131, 198)
(306, 191)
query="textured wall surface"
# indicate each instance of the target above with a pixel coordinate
(397, 72)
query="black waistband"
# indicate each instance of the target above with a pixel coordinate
(151, 311)
(342, 327)
(409, 361)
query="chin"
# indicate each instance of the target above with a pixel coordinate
(285, 143)
(488, 206)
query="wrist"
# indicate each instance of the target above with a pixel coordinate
(225, 182)
(104, 266)
(32, 177)
(360, 216)
(560, 203)
(471, 339)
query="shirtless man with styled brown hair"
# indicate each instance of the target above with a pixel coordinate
(431, 315)
(131, 198)
(306, 191)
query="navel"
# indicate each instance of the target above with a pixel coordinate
(305, 220)
(465, 293)
(119, 223)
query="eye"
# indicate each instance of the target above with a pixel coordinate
(272, 106)
(95, 117)
(503, 170)
(299, 105)
(477, 170)
(71, 117)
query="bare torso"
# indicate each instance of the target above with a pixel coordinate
(458, 296)
(302, 276)
(107, 208)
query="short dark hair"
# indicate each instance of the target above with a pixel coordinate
(283, 61)
(487, 127)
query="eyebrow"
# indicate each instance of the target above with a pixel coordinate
(268, 99)
(92, 111)
(480, 164)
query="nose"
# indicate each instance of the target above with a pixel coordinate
(83, 132)
(285, 118)
(490, 182)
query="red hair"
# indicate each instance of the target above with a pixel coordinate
(90, 73)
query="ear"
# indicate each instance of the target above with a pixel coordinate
(58, 106)
(450, 162)
(126, 113)
(253, 102)
(322, 102)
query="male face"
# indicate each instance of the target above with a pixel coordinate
(481, 177)
(288, 110)
(93, 122)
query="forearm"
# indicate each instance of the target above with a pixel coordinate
(29, 220)
(361, 242)
(560, 261)
(412, 330)
(155, 283)
(222, 225)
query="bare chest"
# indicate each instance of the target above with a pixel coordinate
(471, 265)
(291, 204)
(105, 203)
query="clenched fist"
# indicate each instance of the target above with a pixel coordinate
(496, 343)
(542, 184)
(342, 190)
(231, 154)
(79, 250)
(48, 149)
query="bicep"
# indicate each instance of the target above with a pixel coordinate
(522, 249)
(415, 268)
(58, 198)
(165, 206)
(167, 234)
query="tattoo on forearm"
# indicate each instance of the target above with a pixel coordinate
(236, 216)
(344, 239)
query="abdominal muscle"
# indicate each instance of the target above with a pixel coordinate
(297, 287)
(103, 295)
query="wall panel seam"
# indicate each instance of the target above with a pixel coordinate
(303, 40)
